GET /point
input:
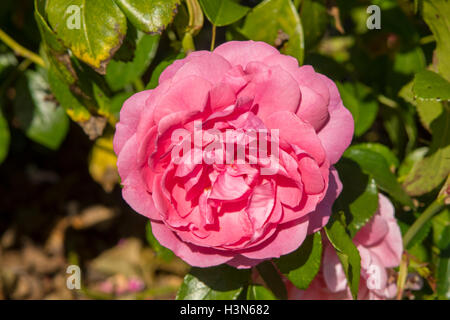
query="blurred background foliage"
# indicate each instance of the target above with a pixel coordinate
(61, 90)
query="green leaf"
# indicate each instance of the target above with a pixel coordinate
(302, 265)
(436, 14)
(409, 62)
(4, 137)
(41, 119)
(272, 279)
(74, 108)
(429, 85)
(215, 283)
(55, 52)
(410, 160)
(347, 253)
(102, 29)
(359, 198)
(361, 103)
(259, 292)
(48, 35)
(154, 79)
(429, 173)
(387, 153)
(374, 164)
(119, 73)
(315, 18)
(428, 112)
(150, 16)
(165, 254)
(277, 23)
(441, 229)
(223, 12)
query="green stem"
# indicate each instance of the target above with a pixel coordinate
(188, 43)
(435, 207)
(20, 50)
(387, 101)
(213, 38)
(139, 85)
(427, 39)
(402, 276)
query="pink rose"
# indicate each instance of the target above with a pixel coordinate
(213, 207)
(380, 246)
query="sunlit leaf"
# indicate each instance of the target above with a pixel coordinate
(277, 23)
(223, 12)
(150, 16)
(215, 283)
(98, 35)
(301, 266)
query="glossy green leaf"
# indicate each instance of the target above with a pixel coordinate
(259, 292)
(347, 253)
(154, 79)
(150, 16)
(361, 103)
(277, 23)
(93, 30)
(215, 283)
(272, 279)
(165, 254)
(429, 85)
(40, 117)
(4, 137)
(315, 19)
(429, 173)
(302, 265)
(436, 14)
(374, 164)
(119, 73)
(223, 12)
(359, 199)
(387, 153)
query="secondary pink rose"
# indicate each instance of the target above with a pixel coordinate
(213, 207)
(380, 246)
